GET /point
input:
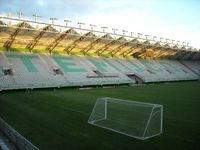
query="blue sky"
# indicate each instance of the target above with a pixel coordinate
(173, 19)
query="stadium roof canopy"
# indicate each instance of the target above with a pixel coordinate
(26, 35)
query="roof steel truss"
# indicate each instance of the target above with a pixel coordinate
(52, 45)
(9, 42)
(32, 44)
(76, 42)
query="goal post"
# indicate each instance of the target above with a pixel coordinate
(135, 119)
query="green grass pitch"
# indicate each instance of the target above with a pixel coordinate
(57, 120)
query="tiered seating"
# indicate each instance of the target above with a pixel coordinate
(37, 70)
(145, 70)
(193, 66)
(178, 71)
(109, 71)
(72, 69)
(157, 71)
(29, 71)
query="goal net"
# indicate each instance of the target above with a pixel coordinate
(136, 119)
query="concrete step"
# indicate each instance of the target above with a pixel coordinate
(5, 144)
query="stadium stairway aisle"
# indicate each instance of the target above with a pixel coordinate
(5, 143)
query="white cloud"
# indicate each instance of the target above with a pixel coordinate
(40, 2)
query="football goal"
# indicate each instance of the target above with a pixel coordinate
(135, 119)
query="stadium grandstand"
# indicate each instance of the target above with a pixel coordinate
(62, 84)
(36, 54)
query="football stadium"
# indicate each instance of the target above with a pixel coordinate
(57, 81)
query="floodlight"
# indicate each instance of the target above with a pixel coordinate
(146, 35)
(132, 33)
(124, 31)
(114, 30)
(36, 16)
(92, 26)
(139, 34)
(154, 37)
(104, 28)
(167, 40)
(53, 19)
(67, 21)
(80, 24)
(9, 15)
(20, 14)
(173, 41)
